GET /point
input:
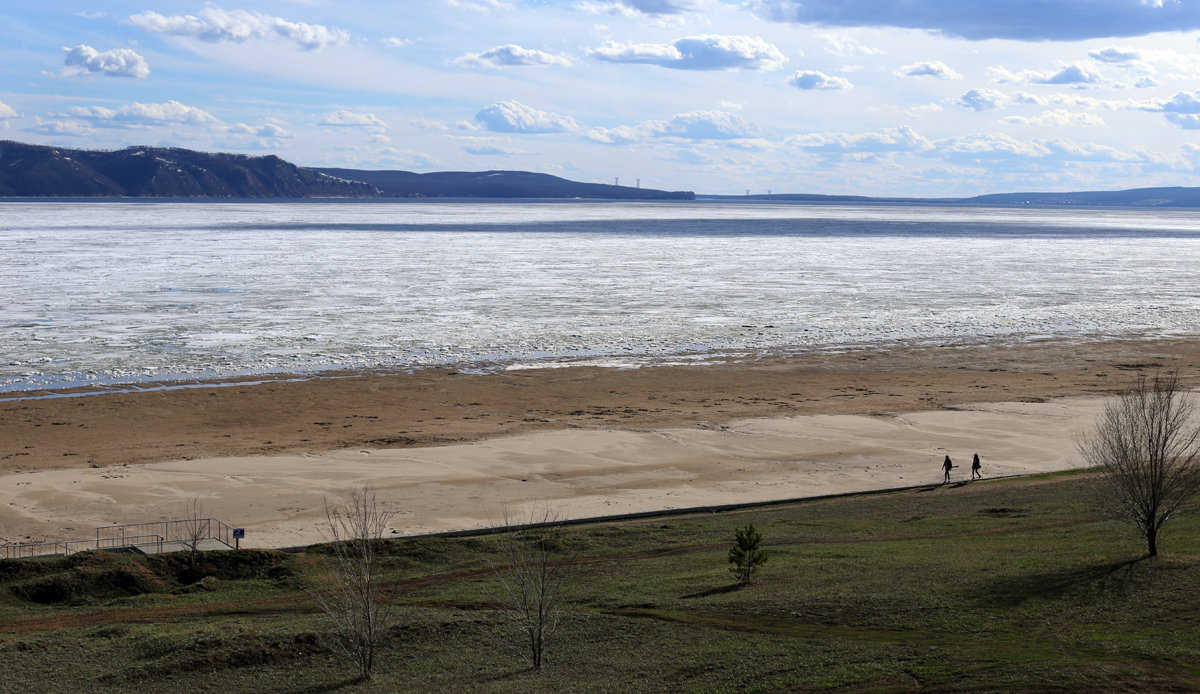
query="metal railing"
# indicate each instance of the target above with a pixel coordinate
(150, 537)
(185, 531)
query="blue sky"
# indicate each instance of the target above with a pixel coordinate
(873, 97)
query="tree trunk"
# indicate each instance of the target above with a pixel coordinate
(1152, 542)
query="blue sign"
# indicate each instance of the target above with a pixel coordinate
(239, 533)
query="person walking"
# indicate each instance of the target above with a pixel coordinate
(975, 473)
(946, 465)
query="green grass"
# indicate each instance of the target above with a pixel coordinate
(992, 586)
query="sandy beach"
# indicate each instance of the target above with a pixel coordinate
(447, 450)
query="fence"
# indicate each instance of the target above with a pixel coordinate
(158, 536)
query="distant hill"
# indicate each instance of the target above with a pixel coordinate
(39, 171)
(497, 184)
(1137, 197)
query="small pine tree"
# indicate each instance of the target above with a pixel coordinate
(745, 554)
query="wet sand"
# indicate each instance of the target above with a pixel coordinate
(445, 449)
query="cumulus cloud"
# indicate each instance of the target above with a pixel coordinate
(1187, 121)
(515, 117)
(982, 99)
(1182, 102)
(812, 79)
(214, 25)
(140, 115)
(7, 111)
(708, 52)
(929, 68)
(349, 119)
(1183, 109)
(1027, 20)
(119, 62)
(395, 41)
(512, 55)
(1069, 74)
(1116, 55)
(66, 128)
(1057, 118)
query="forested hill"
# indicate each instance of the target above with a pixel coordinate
(41, 171)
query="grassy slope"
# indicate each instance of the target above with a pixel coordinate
(991, 586)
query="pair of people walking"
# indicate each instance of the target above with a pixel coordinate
(948, 465)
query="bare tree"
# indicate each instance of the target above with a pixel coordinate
(195, 529)
(1146, 454)
(531, 581)
(352, 593)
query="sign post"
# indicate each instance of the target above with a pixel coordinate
(238, 534)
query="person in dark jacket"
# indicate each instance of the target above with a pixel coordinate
(946, 465)
(975, 473)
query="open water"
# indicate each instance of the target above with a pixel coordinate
(114, 292)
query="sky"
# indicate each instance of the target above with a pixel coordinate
(930, 98)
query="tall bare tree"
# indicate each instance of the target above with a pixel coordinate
(531, 580)
(1146, 454)
(194, 529)
(352, 593)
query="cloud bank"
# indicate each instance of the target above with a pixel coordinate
(1023, 20)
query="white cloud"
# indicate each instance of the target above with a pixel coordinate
(512, 55)
(929, 68)
(707, 52)
(515, 117)
(989, 147)
(348, 119)
(489, 146)
(214, 25)
(812, 79)
(140, 115)
(7, 111)
(901, 139)
(704, 125)
(841, 43)
(395, 41)
(1065, 74)
(635, 8)
(480, 6)
(1058, 118)
(982, 99)
(119, 62)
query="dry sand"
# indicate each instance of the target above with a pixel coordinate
(446, 451)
